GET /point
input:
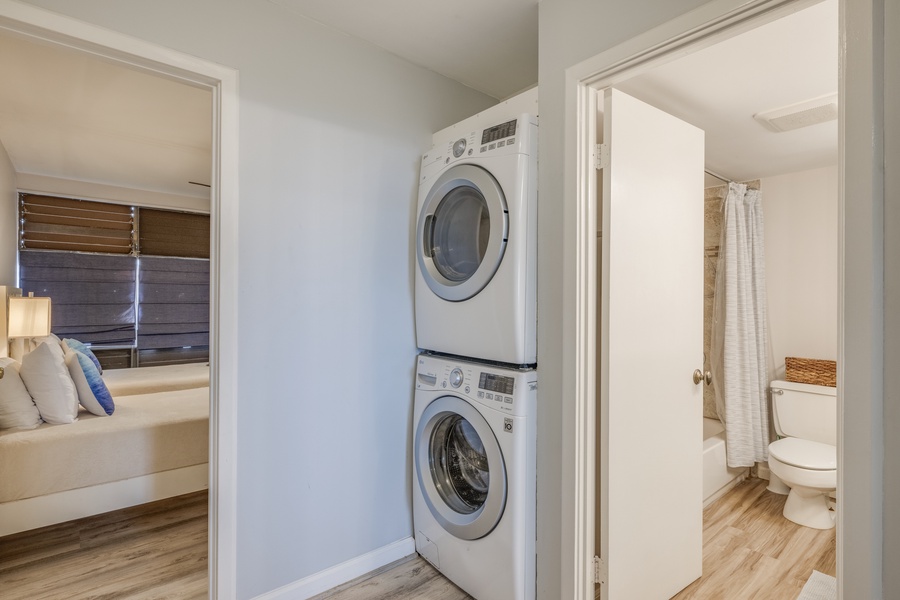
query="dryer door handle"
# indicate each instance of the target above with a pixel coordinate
(428, 236)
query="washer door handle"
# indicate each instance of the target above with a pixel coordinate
(428, 235)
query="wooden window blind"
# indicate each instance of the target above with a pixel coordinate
(168, 233)
(50, 223)
(93, 294)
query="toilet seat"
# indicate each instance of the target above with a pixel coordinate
(804, 454)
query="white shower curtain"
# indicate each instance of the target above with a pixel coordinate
(739, 344)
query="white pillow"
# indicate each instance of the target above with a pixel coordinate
(47, 379)
(17, 409)
(53, 341)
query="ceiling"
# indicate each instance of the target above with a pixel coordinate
(491, 46)
(71, 115)
(720, 88)
(75, 116)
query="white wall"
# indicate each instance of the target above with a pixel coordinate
(331, 130)
(801, 232)
(8, 211)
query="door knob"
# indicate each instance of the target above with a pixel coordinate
(700, 376)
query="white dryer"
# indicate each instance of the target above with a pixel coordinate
(475, 241)
(474, 475)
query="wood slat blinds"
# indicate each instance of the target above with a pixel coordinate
(51, 223)
(167, 233)
(93, 294)
(174, 303)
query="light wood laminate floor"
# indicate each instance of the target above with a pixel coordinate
(750, 551)
(157, 550)
(160, 551)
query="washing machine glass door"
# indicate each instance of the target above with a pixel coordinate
(460, 468)
(462, 232)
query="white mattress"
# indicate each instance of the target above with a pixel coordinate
(145, 380)
(148, 433)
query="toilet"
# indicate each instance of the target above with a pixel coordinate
(805, 456)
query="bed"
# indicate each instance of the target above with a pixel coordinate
(155, 445)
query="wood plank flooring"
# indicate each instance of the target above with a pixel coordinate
(157, 550)
(750, 551)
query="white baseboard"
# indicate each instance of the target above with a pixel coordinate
(342, 573)
(31, 513)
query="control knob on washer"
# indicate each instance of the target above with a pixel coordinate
(456, 377)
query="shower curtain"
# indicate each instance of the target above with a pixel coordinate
(739, 344)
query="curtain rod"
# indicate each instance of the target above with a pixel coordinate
(717, 176)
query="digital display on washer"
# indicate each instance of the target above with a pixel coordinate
(496, 383)
(498, 132)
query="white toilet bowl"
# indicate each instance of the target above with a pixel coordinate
(810, 469)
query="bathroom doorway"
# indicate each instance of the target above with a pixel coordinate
(621, 77)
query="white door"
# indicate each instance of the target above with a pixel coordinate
(652, 318)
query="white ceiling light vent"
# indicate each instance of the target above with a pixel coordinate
(802, 114)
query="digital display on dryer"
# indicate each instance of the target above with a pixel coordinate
(498, 132)
(496, 383)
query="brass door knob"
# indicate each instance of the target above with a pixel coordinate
(700, 377)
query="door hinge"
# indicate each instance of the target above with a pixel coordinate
(601, 156)
(600, 570)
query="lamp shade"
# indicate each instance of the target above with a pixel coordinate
(28, 317)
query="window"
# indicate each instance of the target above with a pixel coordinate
(119, 276)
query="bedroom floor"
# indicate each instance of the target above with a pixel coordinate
(157, 550)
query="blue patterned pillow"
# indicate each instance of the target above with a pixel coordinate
(92, 391)
(76, 345)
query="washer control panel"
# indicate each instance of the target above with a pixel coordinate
(472, 381)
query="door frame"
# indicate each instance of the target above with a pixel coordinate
(223, 84)
(709, 24)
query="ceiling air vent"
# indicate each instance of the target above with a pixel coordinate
(803, 114)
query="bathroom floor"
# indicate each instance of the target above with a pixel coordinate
(749, 551)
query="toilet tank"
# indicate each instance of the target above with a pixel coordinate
(805, 411)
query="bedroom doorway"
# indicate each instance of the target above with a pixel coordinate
(53, 29)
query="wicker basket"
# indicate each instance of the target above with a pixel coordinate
(811, 370)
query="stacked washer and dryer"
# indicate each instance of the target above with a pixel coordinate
(476, 386)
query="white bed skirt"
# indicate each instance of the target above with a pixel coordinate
(31, 513)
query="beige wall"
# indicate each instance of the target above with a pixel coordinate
(801, 229)
(8, 213)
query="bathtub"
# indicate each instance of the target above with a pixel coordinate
(717, 477)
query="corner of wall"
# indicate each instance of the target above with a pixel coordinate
(8, 211)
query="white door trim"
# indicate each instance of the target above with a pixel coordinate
(707, 25)
(223, 83)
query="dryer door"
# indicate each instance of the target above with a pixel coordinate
(460, 468)
(462, 232)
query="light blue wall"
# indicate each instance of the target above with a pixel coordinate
(331, 130)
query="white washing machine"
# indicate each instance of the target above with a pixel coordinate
(474, 475)
(475, 240)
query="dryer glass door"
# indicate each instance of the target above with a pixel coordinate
(462, 232)
(460, 468)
